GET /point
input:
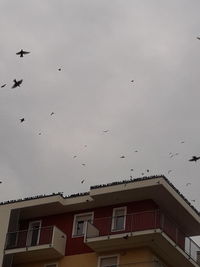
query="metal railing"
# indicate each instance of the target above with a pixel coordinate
(141, 221)
(29, 238)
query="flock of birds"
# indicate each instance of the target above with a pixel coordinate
(18, 83)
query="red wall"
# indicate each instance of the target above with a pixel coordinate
(65, 222)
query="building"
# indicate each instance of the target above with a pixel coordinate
(144, 222)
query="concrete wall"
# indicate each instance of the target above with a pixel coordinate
(4, 222)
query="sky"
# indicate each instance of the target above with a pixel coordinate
(99, 115)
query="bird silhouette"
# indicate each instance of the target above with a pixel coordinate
(39, 133)
(194, 158)
(83, 164)
(122, 157)
(182, 142)
(125, 237)
(3, 85)
(131, 170)
(147, 170)
(22, 120)
(52, 113)
(136, 151)
(59, 69)
(169, 171)
(82, 181)
(21, 53)
(17, 83)
(74, 156)
(106, 131)
(198, 38)
(132, 81)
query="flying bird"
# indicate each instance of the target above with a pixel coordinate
(136, 151)
(106, 131)
(52, 113)
(169, 171)
(83, 164)
(74, 157)
(59, 69)
(17, 83)
(122, 157)
(21, 53)
(3, 85)
(131, 170)
(132, 81)
(22, 120)
(182, 142)
(188, 184)
(198, 38)
(82, 181)
(194, 158)
(147, 170)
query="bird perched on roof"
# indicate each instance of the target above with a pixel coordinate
(3, 85)
(17, 83)
(22, 120)
(21, 53)
(194, 158)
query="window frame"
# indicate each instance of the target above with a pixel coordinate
(108, 256)
(114, 217)
(74, 235)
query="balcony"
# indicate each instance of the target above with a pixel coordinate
(151, 228)
(43, 243)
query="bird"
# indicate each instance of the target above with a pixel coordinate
(39, 133)
(188, 184)
(193, 200)
(122, 157)
(106, 131)
(59, 69)
(194, 158)
(169, 171)
(3, 85)
(131, 170)
(142, 173)
(85, 145)
(22, 120)
(52, 113)
(147, 170)
(0, 182)
(132, 81)
(21, 53)
(82, 181)
(74, 156)
(17, 83)
(125, 237)
(182, 142)
(136, 151)
(83, 164)
(198, 38)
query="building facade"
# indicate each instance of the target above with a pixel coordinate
(143, 222)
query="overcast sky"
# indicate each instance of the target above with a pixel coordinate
(100, 47)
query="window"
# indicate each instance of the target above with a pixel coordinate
(119, 219)
(33, 234)
(108, 261)
(80, 221)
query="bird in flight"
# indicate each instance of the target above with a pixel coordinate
(17, 83)
(194, 158)
(82, 181)
(39, 133)
(52, 113)
(132, 81)
(136, 151)
(21, 53)
(188, 184)
(3, 85)
(198, 38)
(22, 120)
(59, 69)
(74, 157)
(182, 142)
(169, 171)
(83, 164)
(122, 157)
(106, 131)
(131, 170)
(147, 170)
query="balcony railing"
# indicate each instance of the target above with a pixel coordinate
(141, 221)
(29, 238)
(33, 244)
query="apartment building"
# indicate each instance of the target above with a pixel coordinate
(144, 222)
